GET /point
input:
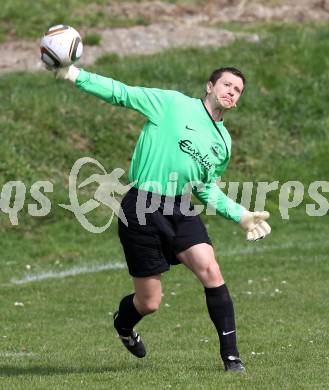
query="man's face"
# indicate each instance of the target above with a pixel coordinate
(226, 91)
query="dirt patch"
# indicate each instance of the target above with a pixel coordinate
(170, 25)
(159, 36)
(212, 11)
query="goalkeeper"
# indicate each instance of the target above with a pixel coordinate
(182, 149)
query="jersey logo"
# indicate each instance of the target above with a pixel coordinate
(190, 128)
(215, 148)
(187, 146)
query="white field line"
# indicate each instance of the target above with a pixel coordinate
(70, 272)
(252, 248)
(248, 250)
(17, 354)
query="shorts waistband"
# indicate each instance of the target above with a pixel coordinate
(150, 194)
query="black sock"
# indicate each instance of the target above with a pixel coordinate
(128, 316)
(221, 311)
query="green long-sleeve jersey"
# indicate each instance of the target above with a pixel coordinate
(180, 148)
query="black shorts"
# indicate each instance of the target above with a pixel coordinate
(150, 249)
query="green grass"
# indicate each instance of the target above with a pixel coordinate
(62, 337)
(30, 19)
(92, 39)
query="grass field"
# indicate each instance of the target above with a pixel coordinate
(25, 19)
(57, 333)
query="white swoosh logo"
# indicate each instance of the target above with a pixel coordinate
(226, 333)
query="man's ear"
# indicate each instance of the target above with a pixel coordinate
(209, 87)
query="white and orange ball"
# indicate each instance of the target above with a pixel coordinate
(61, 46)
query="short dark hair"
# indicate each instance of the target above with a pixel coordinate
(217, 74)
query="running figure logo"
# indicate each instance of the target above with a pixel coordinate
(109, 184)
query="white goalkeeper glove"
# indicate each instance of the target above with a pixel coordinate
(255, 225)
(70, 72)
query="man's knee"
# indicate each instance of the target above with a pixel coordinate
(211, 275)
(147, 305)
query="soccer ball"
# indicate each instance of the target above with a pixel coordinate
(61, 46)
